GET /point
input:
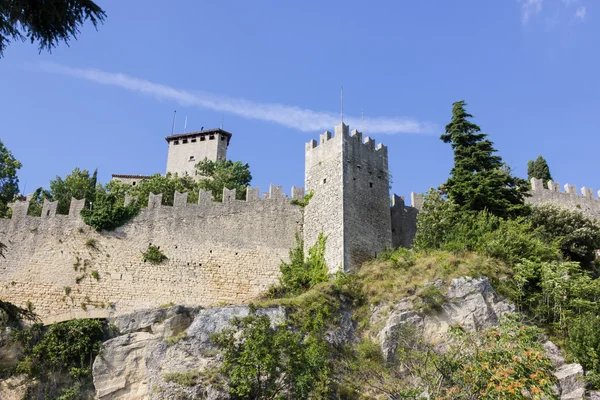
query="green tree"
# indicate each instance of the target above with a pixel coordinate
(539, 169)
(262, 361)
(479, 179)
(79, 184)
(9, 183)
(224, 174)
(166, 185)
(47, 22)
(37, 201)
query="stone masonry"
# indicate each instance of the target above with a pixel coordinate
(217, 252)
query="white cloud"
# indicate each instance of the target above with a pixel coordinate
(580, 13)
(530, 8)
(289, 116)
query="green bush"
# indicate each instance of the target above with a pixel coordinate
(68, 347)
(153, 255)
(577, 235)
(262, 361)
(300, 273)
(109, 212)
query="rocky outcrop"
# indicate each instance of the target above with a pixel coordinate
(164, 353)
(472, 303)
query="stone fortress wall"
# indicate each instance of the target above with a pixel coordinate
(551, 194)
(218, 252)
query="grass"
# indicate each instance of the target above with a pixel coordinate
(393, 276)
(175, 339)
(95, 274)
(167, 305)
(91, 243)
(188, 378)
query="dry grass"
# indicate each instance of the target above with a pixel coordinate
(404, 273)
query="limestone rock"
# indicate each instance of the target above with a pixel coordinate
(570, 382)
(594, 395)
(472, 303)
(144, 319)
(554, 353)
(14, 388)
(162, 343)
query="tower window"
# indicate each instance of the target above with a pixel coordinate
(202, 138)
(194, 140)
(222, 137)
(184, 141)
(370, 184)
(176, 142)
(324, 180)
(211, 137)
(192, 158)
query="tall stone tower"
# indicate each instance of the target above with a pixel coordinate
(351, 202)
(187, 149)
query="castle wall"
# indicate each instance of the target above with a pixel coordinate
(217, 252)
(183, 157)
(586, 202)
(404, 223)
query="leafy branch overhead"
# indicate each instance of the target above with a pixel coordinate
(45, 22)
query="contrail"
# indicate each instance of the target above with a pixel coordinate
(289, 116)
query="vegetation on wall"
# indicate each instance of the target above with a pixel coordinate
(302, 273)
(153, 255)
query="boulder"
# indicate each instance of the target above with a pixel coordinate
(570, 382)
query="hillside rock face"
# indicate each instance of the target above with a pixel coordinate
(155, 344)
(475, 305)
(156, 347)
(472, 303)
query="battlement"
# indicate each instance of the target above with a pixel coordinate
(537, 185)
(155, 201)
(343, 131)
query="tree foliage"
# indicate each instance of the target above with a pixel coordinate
(36, 203)
(302, 273)
(577, 235)
(9, 182)
(263, 361)
(222, 174)
(166, 185)
(109, 211)
(539, 169)
(45, 22)
(479, 179)
(78, 184)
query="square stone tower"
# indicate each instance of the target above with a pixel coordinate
(187, 149)
(351, 202)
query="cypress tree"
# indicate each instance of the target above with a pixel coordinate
(480, 180)
(539, 169)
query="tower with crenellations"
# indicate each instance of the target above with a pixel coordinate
(349, 179)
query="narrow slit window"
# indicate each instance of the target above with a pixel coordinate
(324, 180)
(370, 184)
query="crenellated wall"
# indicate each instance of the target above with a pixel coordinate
(217, 252)
(586, 202)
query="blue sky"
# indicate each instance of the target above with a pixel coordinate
(272, 71)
